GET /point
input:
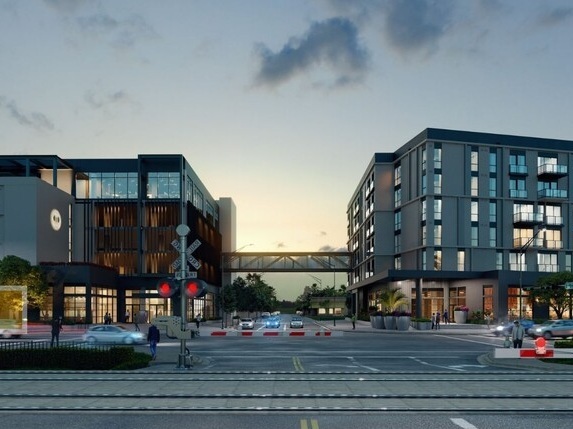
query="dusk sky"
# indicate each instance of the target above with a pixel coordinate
(278, 104)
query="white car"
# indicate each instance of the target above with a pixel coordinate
(247, 323)
(107, 334)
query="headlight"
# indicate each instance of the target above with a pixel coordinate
(499, 328)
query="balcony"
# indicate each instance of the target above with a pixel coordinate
(519, 242)
(518, 170)
(527, 218)
(518, 193)
(554, 220)
(552, 194)
(551, 171)
(553, 244)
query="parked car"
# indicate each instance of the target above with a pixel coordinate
(108, 334)
(247, 323)
(296, 322)
(552, 328)
(505, 329)
(273, 322)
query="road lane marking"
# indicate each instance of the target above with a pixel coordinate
(463, 424)
(297, 364)
(313, 424)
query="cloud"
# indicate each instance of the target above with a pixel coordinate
(555, 16)
(98, 101)
(416, 25)
(123, 33)
(34, 120)
(333, 44)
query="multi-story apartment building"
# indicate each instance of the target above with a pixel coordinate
(102, 229)
(462, 218)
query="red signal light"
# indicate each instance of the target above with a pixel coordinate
(195, 288)
(167, 288)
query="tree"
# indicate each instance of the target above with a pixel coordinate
(249, 294)
(392, 299)
(550, 290)
(15, 271)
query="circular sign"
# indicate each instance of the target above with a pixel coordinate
(55, 220)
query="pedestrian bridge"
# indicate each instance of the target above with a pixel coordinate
(286, 262)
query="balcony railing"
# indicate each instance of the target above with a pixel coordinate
(517, 193)
(528, 217)
(559, 194)
(552, 170)
(518, 169)
(519, 242)
(553, 220)
(553, 244)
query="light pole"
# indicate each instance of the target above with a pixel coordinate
(521, 255)
(223, 313)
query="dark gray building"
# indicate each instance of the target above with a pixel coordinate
(457, 218)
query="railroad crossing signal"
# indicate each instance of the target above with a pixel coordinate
(188, 252)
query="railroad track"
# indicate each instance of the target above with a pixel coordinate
(214, 391)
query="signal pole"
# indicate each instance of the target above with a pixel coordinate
(182, 230)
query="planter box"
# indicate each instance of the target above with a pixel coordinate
(460, 316)
(390, 323)
(378, 322)
(403, 323)
(423, 326)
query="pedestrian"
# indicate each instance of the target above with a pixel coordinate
(517, 334)
(127, 316)
(487, 320)
(438, 320)
(153, 338)
(354, 321)
(433, 320)
(446, 317)
(136, 322)
(198, 321)
(57, 326)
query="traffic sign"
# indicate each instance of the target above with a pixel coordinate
(568, 285)
(196, 264)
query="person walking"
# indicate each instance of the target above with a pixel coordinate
(198, 321)
(153, 337)
(433, 320)
(354, 321)
(136, 321)
(57, 326)
(446, 317)
(438, 320)
(126, 316)
(517, 334)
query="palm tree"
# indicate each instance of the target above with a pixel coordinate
(393, 299)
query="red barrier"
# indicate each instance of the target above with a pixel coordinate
(271, 334)
(218, 333)
(530, 353)
(296, 334)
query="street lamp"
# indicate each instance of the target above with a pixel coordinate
(223, 313)
(521, 255)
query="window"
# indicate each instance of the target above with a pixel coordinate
(397, 175)
(492, 236)
(423, 210)
(424, 159)
(437, 183)
(492, 162)
(424, 234)
(461, 260)
(397, 243)
(568, 262)
(437, 157)
(424, 260)
(474, 211)
(438, 209)
(397, 197)
(517, 188)
(437, 260)
(424, 184)
(474, 183)
(553, 239)
(492, 212)
(397, 221)
(398, 263)
(163, 185)
(438, 235)
(108, 185)
(552, 214)
(517, 163)
(499, 260)
(492, 187)
(547, 262)
(474, 236)
(474, 160)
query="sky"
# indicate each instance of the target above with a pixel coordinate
(278, 104)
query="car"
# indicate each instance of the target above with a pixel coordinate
(552, 328)
(505, 329)
(113, 334)
(272, 322)
(247, 323)
(296, 322)
(265, 314)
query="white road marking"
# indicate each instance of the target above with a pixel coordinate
(463, 424)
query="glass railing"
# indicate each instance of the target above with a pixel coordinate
(517, 193)
(517, 169)
(552, 193)
(553, 220)
(528, 217)
(552, 169)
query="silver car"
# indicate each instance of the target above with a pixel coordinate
(247, 323)
(552, 328)
(108, 334)
(296, 322)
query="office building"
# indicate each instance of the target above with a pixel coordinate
(103, 231)
(455, 218)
